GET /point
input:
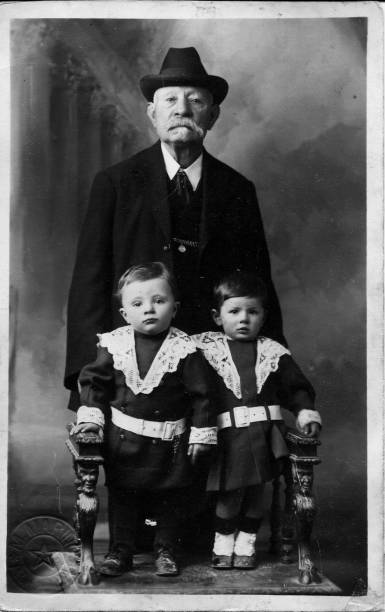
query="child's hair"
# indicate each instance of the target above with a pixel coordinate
(147, 271)
(240, 284)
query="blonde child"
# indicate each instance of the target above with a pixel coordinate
(148, 390)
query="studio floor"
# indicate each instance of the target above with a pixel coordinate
(339, 577)
(198, 577)
(339, 552)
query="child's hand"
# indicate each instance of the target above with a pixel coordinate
(84, 427)
(194, 450)
(311, 429)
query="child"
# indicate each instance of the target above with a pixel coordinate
(147, 382)
(255, 376)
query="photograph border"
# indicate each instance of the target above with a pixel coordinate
(374, 600)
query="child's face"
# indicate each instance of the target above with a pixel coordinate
(149, 306)
(241, 317)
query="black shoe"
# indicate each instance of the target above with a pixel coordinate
(165, 564)
(244, 562)
(116, 564)
(222, 562)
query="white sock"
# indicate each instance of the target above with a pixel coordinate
(224, 544)
(245, 544)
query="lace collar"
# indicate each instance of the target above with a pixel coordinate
(216, 349)
(121, 344)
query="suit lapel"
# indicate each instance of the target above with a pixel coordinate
(155, 187)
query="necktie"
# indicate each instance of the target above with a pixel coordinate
(183, 186)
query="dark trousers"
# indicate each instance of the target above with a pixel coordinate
(126, 508)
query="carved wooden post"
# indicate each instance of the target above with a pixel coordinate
(302, 457)
(86, 452)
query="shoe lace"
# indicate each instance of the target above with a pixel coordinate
(113, 556)
(166, 554)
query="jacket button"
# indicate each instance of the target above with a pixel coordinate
(166, 247)
(155, 441)
(156, 411)
(122, 436)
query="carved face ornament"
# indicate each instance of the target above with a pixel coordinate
(88, 478)
(305, 480)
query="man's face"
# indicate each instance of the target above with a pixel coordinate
(182, 114)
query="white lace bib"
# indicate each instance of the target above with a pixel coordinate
(216, 350)
(120, 343)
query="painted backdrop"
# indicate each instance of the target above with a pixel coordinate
(293, 122)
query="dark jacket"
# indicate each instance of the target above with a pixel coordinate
(181, 390)
(128, 222)
(268, 375)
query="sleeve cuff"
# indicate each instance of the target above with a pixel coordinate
(306, 416)
(87, 414)
(203, 435)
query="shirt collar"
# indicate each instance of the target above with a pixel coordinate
(194, 172)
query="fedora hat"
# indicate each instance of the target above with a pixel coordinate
(183, 67)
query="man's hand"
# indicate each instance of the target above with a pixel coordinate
(311, 429)
(194, 450)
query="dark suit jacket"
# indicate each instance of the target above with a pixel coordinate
(128, 222)
(140, 462)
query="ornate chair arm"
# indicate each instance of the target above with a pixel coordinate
(86, 451)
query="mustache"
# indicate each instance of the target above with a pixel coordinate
(189, 123)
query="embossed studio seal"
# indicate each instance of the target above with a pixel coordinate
(29, 562)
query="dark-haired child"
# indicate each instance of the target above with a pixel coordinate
(146, 387)
(255, 376)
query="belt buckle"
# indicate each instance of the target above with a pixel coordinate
(141, 427)
(241, 416)
(168, 431)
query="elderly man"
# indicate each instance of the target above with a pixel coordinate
(174, 203)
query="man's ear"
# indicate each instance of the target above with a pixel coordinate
(151, 112)
(215, 111)
(216, 316)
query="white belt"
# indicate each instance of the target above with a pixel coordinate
(244, 415)
(166, 430)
